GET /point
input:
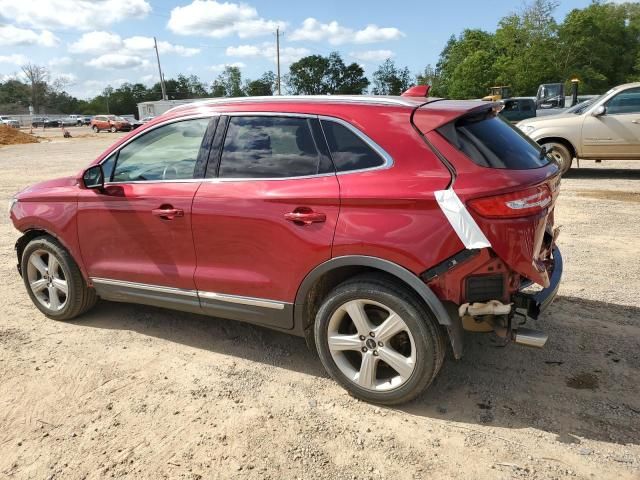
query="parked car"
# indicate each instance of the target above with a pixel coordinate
(518, 108)
(147, 119)
(111, 123)
(378, 228)
(135, 123)
(72, 120)
(86, 121)
(8, 121)
(44, 122)
(605, 128)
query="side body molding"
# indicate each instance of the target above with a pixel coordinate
(432, 301)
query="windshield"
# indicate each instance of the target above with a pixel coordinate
(582, 106)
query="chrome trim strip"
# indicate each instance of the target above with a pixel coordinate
(242, 300)
(388, 160)
(145, 286)
(223, 297)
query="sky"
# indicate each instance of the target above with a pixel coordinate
(94, 43)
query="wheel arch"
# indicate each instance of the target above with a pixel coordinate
(32, 233)
(563, 141)
(329, 274)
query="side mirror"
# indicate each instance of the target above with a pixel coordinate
(599, 111)
(93, 178)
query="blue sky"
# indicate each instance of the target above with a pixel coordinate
(92, 44)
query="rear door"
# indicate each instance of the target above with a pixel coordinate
(136, 235)
(616, 134)
(265, 217)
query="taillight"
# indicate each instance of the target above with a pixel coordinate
(515, 204)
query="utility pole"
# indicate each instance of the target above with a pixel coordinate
(164, 93)
(278, 59)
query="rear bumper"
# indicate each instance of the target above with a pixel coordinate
(535, 303)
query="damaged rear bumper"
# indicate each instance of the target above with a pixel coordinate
(533, 304)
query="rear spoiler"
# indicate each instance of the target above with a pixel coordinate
(437, 112)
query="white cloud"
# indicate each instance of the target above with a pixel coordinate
(15, 58)
(221, 66)
(213, 19)
(141, 44)
(11, 35)
(96, 42)
(79, 14)
(106, 42)
(372, 55)
(112, 61)
(60, 61)
(267, 50)
(314, 31)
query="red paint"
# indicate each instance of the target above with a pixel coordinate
(417, 91)
(248, 237)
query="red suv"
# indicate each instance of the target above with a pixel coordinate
(378, 228)
(109, 122)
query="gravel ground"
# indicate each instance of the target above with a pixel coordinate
(135, 392)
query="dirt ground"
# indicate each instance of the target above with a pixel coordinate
(136, 392)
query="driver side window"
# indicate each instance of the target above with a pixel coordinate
(169, 152)
(625, 102)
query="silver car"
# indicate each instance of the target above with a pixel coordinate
(605, 128)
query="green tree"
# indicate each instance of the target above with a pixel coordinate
(262, 86)
(318, 75)
(430, 76)
(391, 80)
(228, 83)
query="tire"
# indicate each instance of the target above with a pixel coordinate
(95, 129)
(418, 338)
(44, 280)
(113, 129)
(561, 154)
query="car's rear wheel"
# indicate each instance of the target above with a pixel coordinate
(561, 154)
(54, 281)
(113, 129)
(95, 129)
(378, 341)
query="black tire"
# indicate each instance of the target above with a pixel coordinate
(95, 129)
(561, 154)
(79, 299)
(428, 337)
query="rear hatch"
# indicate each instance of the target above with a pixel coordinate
(507, 183)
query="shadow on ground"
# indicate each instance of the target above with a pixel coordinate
(583, 383)
(604, 173)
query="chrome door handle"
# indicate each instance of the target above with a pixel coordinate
(305, 217)
(168, 213)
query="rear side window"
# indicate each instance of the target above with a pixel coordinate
(271, 147)
(492, 142)
(348, 150)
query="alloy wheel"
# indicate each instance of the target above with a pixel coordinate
(47, 280)
(371, 345)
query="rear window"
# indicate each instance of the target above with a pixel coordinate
(492, 142)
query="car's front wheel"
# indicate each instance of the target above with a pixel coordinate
(560, 154)
(95, 129)
(54, 281)
(113, 129)
(378, 341)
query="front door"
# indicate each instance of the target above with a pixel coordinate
(136, 234)
(616, 134)
(265, 219)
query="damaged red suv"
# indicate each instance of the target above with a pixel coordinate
(378, 228)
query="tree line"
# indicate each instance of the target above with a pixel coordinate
(599, 44)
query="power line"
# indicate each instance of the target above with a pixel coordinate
(278, 58)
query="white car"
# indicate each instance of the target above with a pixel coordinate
(605, 128)
(11, 122)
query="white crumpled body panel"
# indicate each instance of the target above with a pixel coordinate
(461, 220)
